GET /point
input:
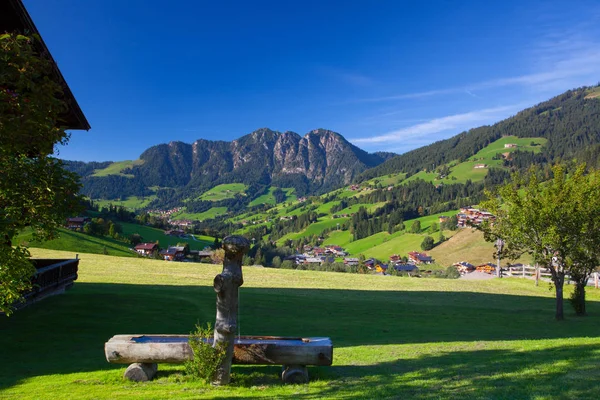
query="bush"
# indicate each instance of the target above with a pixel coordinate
(207, 358)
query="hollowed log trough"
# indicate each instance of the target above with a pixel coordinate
(144, 352)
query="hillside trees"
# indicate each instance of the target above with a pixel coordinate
(555, 221)
(35, 190)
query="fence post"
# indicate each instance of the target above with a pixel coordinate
(537, 274)
(596, 280)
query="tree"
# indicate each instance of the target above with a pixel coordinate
(554, 221)
(218, 256)
(416, 227)
(35, 190)
(434, 227)
(135, 239)
(427, 243)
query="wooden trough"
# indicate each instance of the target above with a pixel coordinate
(144, 352)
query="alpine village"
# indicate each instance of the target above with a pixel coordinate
(465, 267)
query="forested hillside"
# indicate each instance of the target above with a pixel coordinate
(570, 122)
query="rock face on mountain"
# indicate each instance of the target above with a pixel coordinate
(320, 160)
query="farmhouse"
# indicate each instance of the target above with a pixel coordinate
(510, 146)
(146, 249)
(474, 216)
(479, 166)
(464, 267)
(76, 223)
(350, 261)
(173, 253)
(488, 268)
(406, 267)
(419, 258)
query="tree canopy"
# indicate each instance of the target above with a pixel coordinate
(555, 221)
(35, 191)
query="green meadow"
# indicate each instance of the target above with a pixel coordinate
(150, 234)
(394, 338)
(224, 191)
(116, 168)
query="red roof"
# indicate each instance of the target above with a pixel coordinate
(146, 246)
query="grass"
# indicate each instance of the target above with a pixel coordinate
(208, 214)
(224, 191)
(467, 245)
(131, 202)
(150, 234)
(268, 198)
(79, 242)
(116, 168)
(393, 337)
(313, 229)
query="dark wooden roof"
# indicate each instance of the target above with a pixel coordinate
(15, 18)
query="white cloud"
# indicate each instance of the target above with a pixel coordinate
(437, 125)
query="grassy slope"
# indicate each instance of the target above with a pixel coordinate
(224, 191)
(208, 214)
(116, 168)
(131, 203)
(393, 337)
(467, 245)
(79, 242)
(268, 197)
(150, 234)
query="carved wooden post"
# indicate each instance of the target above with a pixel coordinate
(226, 285)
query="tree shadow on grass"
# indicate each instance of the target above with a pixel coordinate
(66, 334)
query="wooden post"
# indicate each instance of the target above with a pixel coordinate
(226, 285)
(596, 280)
(537, 275)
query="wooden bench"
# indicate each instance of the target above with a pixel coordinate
(144, 352)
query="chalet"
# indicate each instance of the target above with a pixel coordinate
(173, 253)
(76, 223)
(464, 267)
(488, 268)
(381, 267)
(510, 146)
(184, 223)
(296, 258)
(337, 250)
(479, 166)
(317, 251)
(472, 216)
(146, 249)
(419, 258)
(406, 267)
(312, 260)
(350, 261)
(443, 218)
(370, 263)
(204, 255)
(395, 258)
(175, 232)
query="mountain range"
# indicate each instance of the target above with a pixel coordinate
(322, 160)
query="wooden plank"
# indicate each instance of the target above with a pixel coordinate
(127, 349)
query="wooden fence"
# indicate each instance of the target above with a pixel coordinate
(527, 271)
(53, 276)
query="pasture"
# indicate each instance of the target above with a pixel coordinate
(393, 337)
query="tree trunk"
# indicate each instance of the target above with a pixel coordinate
(559, 281)
(226, 285)
(579, 296)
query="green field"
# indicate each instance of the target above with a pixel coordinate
(268, 197)
(313, 229)
(225, 191)
(150, 234)
(394, 338)
(116, 168)
(208, 214)
(79, 242)
(131, 202)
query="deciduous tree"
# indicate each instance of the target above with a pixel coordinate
(35, 190)
(555, 221)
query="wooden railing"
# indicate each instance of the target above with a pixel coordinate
(53, 276)
(527, 271)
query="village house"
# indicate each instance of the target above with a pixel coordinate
(474, 216)
(394, 258)
(479, 166)
(406, 267)
(510, 146)
(419, 258)
(76, 223)
(350, 261)
(173, 253)
(464, 267)
(146, 249)
(488, 268)
(443, 218)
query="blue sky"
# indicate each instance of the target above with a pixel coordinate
(388, 75)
